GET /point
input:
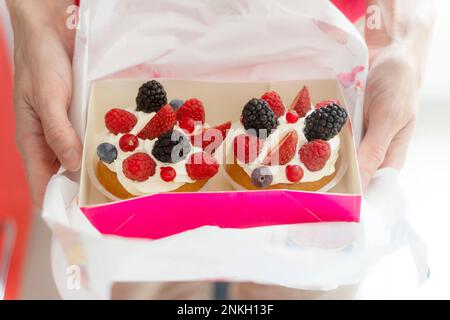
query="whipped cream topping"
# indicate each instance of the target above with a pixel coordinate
(154, 184)
(279, 171)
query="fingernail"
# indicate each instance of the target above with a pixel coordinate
(71, 160)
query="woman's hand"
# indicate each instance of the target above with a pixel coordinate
(398, 47)
(43, 88)
(390, 111)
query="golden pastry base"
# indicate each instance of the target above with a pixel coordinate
(241, 177)
(110, 182)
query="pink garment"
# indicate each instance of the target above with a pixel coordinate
(353, 9)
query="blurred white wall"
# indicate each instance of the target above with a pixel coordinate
(437, 82)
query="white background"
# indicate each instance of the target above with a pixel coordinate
(426, 181)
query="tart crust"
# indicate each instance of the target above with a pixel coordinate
(239, 175)
(110, 182)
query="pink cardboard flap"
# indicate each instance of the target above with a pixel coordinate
(161, 215)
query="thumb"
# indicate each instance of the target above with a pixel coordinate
(60, 134)
(372, 151)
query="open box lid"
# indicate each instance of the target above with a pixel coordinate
(164, 214)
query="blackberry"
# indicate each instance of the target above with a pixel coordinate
(171, 147)
(151, 97)
(258, 118)
(325, 123)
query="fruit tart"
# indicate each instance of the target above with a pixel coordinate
(275, 147)
(157, 146)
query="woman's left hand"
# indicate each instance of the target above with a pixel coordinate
(390, 111)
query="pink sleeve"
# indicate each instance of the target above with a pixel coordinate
(353, 9)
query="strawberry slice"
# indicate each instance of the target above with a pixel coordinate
(210, 139)
(302, 103)
(247, 147)
(192, 108)
(284, 151)
(163, 121)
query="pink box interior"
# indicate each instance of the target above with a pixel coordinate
(161, 215)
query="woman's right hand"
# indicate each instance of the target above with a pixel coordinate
(42, 91)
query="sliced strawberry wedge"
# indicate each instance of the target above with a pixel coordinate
(284, 151)
(163, 121)
(246, 147)
(301, 103)
(210, 139)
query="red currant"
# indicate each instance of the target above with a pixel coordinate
(292, 117)
(168, 174)
(128, 142)
(187, 124)
(294, 173)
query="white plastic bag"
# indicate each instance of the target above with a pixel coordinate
(222, 40)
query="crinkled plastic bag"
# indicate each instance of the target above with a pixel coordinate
(239, 40)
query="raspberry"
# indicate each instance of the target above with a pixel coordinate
(128, 142)
(168, 174)
(192, 108)
(275, 103)
(258, 118)
(284, 151)
(302, 103)
(326, 103)
(292, 117)
(210, 139)
(163, 121)
(120, 121)
(201, 166)
(187, 124)
(151, 97)
(138, 167)
(171, 147)
(325, 123)
(315, 154)
(294, 173)
(247, 147)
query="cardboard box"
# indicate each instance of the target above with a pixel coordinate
(160, 215)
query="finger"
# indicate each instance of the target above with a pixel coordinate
(59, 132)
(397, 151)
(395, 155)
(372, 151)
(40, 164)
(52, 88)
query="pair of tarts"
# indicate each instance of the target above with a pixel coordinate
(166, 147)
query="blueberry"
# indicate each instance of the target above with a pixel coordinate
(176, 103)
(262, 177)
(107, 152)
